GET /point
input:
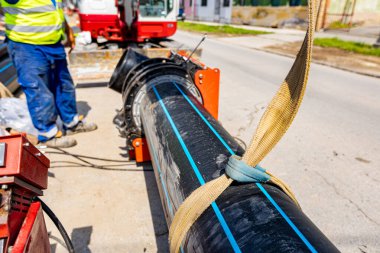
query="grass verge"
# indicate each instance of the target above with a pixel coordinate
(220, 30)
(350, 46)
(338, 25)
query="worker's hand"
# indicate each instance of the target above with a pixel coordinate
(70, 42)
(2, 30)
(2, 25)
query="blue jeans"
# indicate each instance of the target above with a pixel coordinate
(45, 79)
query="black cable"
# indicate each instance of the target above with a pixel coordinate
(100, 168)
(85, 156)
(95, 166)
(58, 224)
(241, 142)
(88, 164)
(128, 165)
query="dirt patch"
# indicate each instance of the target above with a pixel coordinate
(267, 16)
(358, 63)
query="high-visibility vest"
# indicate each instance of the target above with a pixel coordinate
(39, 22)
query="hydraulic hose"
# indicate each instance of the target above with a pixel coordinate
(58, 224)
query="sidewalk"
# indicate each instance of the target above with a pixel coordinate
(367, 35)
(287, 42)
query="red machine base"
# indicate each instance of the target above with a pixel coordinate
(33, 236)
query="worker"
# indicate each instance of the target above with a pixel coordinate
(34, 31)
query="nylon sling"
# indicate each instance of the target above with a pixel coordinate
(274, 123)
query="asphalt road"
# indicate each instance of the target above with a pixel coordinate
(330, 155)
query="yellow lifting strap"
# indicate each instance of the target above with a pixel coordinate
(4, 92)
(273, 125)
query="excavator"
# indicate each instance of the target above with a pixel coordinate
(128, 20)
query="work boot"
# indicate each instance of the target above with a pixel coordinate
(60, 141)
(81, 127)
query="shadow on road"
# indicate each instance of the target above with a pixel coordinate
(158, 217)
(83, 108)
(91, 85)
(80, 237)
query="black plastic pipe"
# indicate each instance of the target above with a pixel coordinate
(128, 60)
(189, 147)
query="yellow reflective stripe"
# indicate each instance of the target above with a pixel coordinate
(35, 19)
(43, 38)
(26, 4)
(33, 29)
(40, 9)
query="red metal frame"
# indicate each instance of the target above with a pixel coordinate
(108, 26)
(24, 161)
(207, 81)
(23, 176)
(153, 30)
(33, 236)
(141, 150)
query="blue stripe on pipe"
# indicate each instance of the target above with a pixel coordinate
(6, 67)
(163, 186)
(204, 119)
(162, 181)
(215, 207)
(303, 238)
(296, 230)
(10, 80)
